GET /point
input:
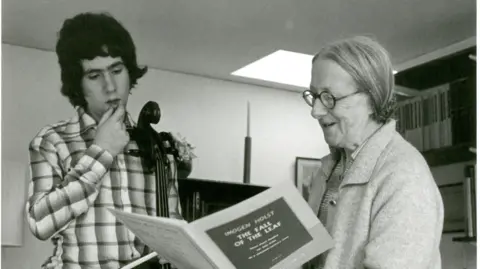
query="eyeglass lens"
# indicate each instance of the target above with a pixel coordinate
(325, 97)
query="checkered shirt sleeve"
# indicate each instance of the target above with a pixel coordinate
(56, 197)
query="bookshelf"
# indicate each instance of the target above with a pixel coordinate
(440, 121)
(202, 197)
(448, 155)
(471, 240)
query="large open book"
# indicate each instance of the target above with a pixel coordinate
(273, 229)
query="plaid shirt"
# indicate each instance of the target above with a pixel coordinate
(74, 181)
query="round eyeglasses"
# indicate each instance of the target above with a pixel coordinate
(327, 99)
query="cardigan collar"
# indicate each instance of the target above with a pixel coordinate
(364, 164)
(366, 157)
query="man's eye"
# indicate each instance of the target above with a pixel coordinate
(118, 70)
(93, 76)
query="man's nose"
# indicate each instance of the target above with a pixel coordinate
(318, 109)
(109, 82)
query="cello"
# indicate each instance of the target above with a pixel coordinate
(161, 157)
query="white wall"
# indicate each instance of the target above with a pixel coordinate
(210, 113)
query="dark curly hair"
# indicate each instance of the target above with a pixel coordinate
(86, 36)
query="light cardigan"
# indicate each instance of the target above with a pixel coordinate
(389, 212)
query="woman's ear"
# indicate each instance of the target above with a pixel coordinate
(372, 109)
(370, 103)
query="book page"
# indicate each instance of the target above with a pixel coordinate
(271, 230)
(167, 237)
(274, 229)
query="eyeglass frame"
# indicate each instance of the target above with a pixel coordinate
(318, 96)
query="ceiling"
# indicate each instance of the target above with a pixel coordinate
(213, 38)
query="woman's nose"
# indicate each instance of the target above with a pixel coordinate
(318, 109)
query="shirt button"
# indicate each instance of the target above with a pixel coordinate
(333, 202)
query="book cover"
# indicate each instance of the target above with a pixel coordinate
(271, 230)
(261, 238)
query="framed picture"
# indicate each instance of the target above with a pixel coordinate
(454, 207)
(305, 169)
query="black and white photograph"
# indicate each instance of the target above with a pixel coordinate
(120, 115)
(305, 171)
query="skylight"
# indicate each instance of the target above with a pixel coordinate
(281, 66)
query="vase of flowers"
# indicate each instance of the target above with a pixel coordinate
(184, 169)
(186, 155)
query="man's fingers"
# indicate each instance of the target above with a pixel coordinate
(119, 113)
(105, 115)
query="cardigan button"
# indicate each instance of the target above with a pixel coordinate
(333, 202)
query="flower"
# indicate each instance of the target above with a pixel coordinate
(184, 148)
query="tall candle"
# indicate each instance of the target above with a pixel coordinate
(248, 118)
(248, 150)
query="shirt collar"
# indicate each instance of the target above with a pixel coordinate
(358, 149)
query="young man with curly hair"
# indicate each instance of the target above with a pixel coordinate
(82, 166)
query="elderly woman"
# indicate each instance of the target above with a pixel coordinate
(374, 193)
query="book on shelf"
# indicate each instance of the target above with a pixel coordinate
(273, 229)
(440, 117)
(194, 208)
